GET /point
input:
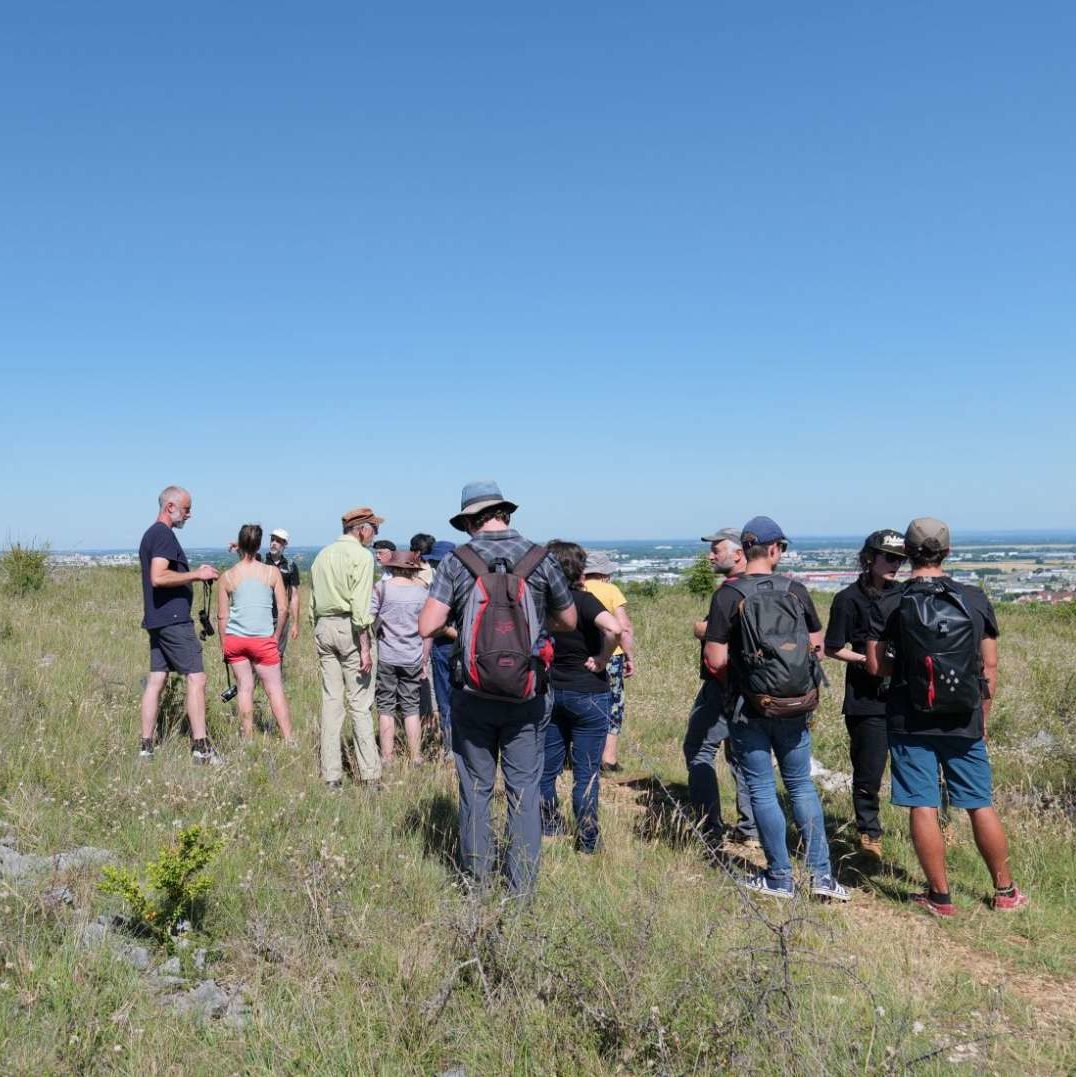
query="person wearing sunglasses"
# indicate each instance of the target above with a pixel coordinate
(880, 559)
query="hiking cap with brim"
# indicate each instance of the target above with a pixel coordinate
(599, 564)
(764, 531)
(439, 551)
(476, 498)
(362, 515)
(886, 541)
(927, 533)
(279, 533)
(402, 559)
(726, 534)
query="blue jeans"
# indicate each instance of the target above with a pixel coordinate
(707, 727)
(753, 739)
(440, 659)
(580, 721)
(485, 732)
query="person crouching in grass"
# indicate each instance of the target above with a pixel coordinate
(403, 654)
(249, 640)
(581, 703)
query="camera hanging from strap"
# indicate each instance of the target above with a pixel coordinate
(203, 617)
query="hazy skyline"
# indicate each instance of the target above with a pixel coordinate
(652, 271)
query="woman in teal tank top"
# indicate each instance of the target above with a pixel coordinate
(249, 640)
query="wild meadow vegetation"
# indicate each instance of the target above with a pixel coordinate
(342, 922)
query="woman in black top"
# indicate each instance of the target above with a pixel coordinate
(581, 703)
(864, 698)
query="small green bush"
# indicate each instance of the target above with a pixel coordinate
(24, 568)
(699, 576)
(641, 588)
(177, 888)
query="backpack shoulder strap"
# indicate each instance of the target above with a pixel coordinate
(469, 558)
(529, 562)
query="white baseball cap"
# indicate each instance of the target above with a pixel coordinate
(280, 533)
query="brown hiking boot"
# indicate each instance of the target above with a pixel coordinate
(870, 846)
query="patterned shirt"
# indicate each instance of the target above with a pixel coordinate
(453, 583)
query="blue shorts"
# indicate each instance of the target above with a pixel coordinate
(914, 761)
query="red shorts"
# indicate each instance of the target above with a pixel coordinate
(261, 650)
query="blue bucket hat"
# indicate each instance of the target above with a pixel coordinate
(478, 496)
(764, 531)
(439, 551)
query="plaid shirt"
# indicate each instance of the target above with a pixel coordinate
(453, 583)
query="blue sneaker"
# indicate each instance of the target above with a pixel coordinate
(828, 887)
(763, 884)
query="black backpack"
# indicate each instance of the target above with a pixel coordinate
(939, 648)
(776, 670)
(496, 654)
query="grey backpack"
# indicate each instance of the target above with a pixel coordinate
(776, 670)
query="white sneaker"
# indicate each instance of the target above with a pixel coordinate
(762, 884)
(828, 887)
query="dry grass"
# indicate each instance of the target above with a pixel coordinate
(360, 950)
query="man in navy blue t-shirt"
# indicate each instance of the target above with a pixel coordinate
(167, 593)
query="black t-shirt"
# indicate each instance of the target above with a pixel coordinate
(849, 621)
(164, 605)
(901, 716)
(704, 672)
(289, 572)
(722, 625)
(572, 649)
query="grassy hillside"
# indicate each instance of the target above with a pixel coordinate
(343, 924)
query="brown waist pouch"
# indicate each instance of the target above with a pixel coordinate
(783, 706)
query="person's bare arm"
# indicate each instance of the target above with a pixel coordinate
(989, 650)
(223, 609)
(564, 620)
(448, 632)
(160, 575)
(611, 634)
(879, 664)
(432, 618)
(716, 658)
(846, 654)
(700, 629)
(281, 595)
(627, 639)
(293, 613)
(817, 642)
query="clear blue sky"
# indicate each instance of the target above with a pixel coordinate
(653, 267)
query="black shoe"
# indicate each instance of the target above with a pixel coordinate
(203, 752)
(338, 784)
(611, 768)
(146, 751)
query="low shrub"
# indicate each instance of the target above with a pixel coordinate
(177, 888)
(24, 568)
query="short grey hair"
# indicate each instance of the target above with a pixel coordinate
(730, 535)
(171, 493)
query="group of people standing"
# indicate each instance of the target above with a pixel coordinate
(528, 646)
(921, 671)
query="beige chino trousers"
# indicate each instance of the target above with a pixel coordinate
(342, 682)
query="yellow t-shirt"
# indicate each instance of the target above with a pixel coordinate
(610, 596)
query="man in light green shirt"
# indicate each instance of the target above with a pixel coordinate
(341, 579)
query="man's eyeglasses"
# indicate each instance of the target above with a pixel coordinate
(782, 546)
